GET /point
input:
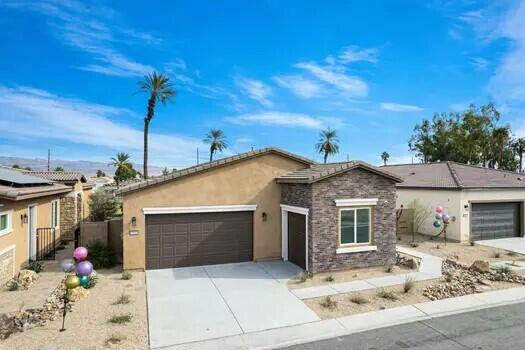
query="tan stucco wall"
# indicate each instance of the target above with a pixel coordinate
(86, 198)
(19, 235)
(454, 203)
(449, 200)
(251, 181)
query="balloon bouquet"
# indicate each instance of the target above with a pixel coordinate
(442, 220)
(83, 270)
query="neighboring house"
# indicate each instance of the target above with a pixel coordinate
(100, 182)
(483, 203)
(28, 205)
(74, 207)
(263, 204)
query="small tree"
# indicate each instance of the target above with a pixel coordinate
(420, 213)
(59, 168)
(103, 206)
(165, 172)
(385, 156)
(100, 173)
(16, 166)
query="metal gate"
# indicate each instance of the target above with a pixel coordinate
(45, 243)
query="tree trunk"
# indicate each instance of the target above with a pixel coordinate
(521, 160)
(211, 155)
(325, 156)
(146, 130)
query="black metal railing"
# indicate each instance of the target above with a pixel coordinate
(45, 243)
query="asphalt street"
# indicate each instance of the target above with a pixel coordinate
(501, 328)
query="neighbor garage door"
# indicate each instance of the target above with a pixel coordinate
(495, 220)
(176, 240)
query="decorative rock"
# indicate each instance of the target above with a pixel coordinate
(481, 266)
(26, 278)
(485, 282)
(78, 293)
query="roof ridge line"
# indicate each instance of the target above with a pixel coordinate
(454, 174)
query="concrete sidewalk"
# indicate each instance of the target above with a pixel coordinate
(325, 329)
(514, 244)
(429, 268)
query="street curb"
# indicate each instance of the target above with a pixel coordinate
(331, 328)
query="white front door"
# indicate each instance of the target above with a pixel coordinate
(31, 224)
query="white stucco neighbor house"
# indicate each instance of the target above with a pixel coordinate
(483, 203)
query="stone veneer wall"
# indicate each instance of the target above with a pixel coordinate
(67, 217)
(323, 238)
(7, 265)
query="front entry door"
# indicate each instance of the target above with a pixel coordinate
(297, 239)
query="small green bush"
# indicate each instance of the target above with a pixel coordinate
(503, 269)
(303, 276)
(414, 245)
(387, 295)
(101, 255)
(329, 303)
(449, 276)
(126, 275)
(497, 255)
(35, 266)
(389, 268)
(114, 339)
(120, 319)
(358, 299)
(408, 285)
(12, 285)
(123, 299)
(330, 278)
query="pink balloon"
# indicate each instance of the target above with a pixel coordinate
(80, 254)
(439, 209)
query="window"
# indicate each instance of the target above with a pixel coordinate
(5, 222)
(54, 214)
(355, 226)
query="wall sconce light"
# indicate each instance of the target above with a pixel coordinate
(465, 206)
(23, 218)
(264, 216)
(133, 221)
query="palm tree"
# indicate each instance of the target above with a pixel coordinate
(328, 143)
(123, 166)
(519, 148)
(217, 141)
(159, 88)
(385, 156)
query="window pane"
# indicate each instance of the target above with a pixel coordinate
(3, 222)
(347, 226)
(363, 225)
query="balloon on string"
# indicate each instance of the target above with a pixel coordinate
(445, 218)
(72, 282)
(84, 268)
(80, 254)
(439, 209)
(437, 224)
(84, 281)
(438, 216)
(67, 265)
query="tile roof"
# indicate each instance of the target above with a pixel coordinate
(318, 172)
(452, 175)
(210, 165)
(61, 176)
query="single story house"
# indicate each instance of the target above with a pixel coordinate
(74, 206)
(259, 205)
(483, 203)
(29, 206)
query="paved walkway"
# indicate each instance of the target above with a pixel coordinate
(514, 244)
(337, 327)
(197, 303)
(429, 268)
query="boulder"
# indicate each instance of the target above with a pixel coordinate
(412, 263)
(481, 266)
(27, 277)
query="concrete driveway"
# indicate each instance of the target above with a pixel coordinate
(197, 303)
(514, 244)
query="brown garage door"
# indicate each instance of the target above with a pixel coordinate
(177, 240)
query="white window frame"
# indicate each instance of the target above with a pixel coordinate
(56, 204)
(9, 227)
(341, 244)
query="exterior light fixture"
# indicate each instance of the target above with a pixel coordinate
(134, 221)
(23, 218)
(264, 216)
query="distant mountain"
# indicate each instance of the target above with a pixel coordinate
(87, 168)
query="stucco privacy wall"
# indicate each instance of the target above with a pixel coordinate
(19, 236)
(448, 199)
(487, 195)
(323, 233)
(250, 181)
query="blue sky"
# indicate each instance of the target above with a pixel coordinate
(265, 72)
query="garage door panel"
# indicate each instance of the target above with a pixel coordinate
(198, 239)
(495, 220)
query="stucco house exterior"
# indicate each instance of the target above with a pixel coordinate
(27, 204)
(483, 203)
(260, 205)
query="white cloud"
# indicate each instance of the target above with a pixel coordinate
(256, 90)
(285, 119)
(479, 62)
(355, 54)
(27, 112)
(301, 86)
(397, 107)
(350, 86)
(92, 29)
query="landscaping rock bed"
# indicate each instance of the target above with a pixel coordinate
(462, 280)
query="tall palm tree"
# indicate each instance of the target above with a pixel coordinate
(385, 156)
(328, 143)
(217, 141)
(122, 164)
(159, 88)
(519, 148)
(501, 137)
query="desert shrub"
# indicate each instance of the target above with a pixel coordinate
(358, 299)
(123, 299)
(503, 269)
(303, 276)
(126, 275)
(103, 206)
(387, 295)
(35, 266)
(389, 268)
(114, 339)
(497, 255)
(449, 276)
(101, 255)
(120, 319)
(408, 285)
(12, 285)
(329, 303)
(414, 244)
(93, 280)
(330, 278)
(472, 243)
